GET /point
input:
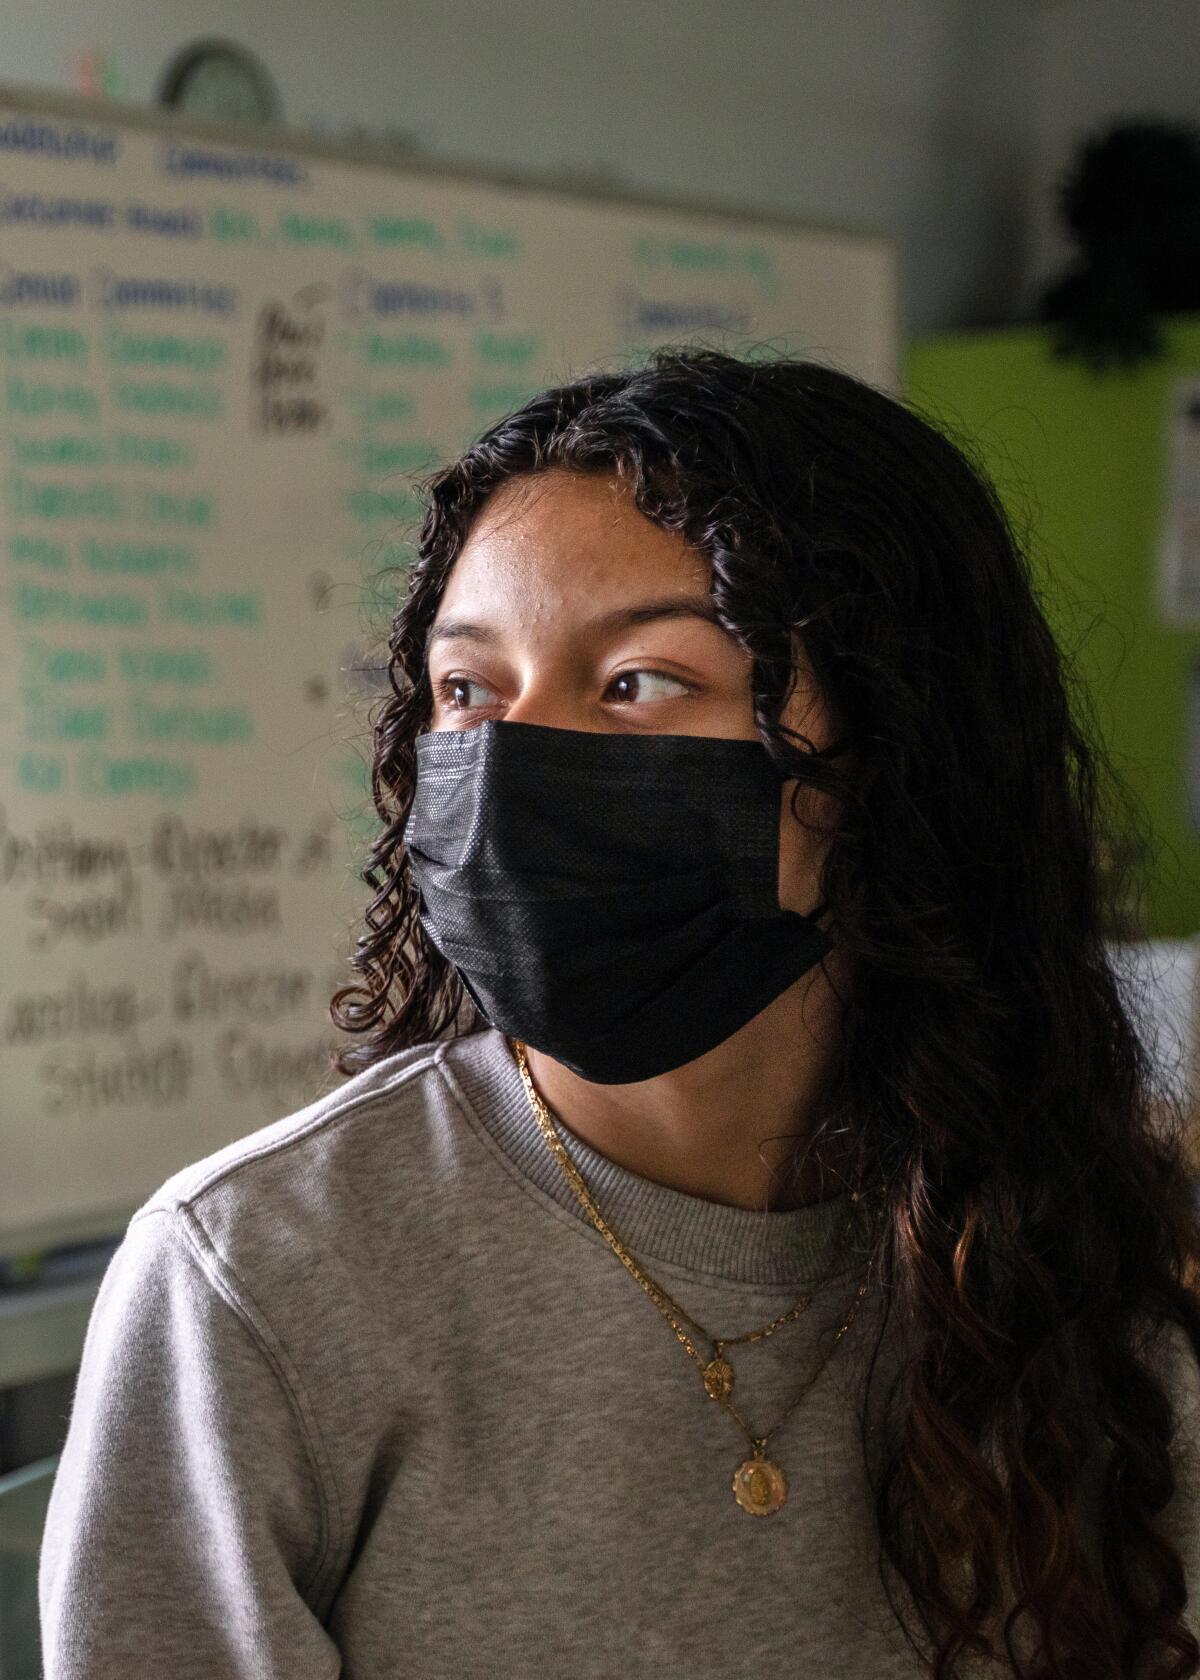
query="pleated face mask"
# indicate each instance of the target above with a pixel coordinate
(610, 899)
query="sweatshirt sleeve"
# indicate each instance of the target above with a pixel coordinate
(190, 1514)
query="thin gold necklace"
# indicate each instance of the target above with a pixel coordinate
(759, 1485)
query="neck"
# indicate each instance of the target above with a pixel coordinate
(736, 1125)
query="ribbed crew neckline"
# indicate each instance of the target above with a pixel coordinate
(712, 1240)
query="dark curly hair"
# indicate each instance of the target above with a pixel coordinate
(1038, 1234)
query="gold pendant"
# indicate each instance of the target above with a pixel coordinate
(759, 1486)
(718, 1378)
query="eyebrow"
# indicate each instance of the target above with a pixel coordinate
(620, 618)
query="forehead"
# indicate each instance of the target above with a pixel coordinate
(564, 537)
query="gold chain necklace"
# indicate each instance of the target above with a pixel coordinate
(759, 1485)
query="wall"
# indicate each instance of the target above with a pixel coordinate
(911, 116)
(1099, 60)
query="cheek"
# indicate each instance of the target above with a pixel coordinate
(791, 855)
(801, 850)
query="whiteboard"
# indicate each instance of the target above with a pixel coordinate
(225, 357)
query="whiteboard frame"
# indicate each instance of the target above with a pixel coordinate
(568, 186)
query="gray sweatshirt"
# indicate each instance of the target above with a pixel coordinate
(366, 1394)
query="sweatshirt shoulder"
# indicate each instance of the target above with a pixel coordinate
(352, 1160)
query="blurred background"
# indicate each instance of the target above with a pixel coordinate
(261, 267)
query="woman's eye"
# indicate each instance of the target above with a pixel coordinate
(646, 685)
(458, 693)
(627, 686)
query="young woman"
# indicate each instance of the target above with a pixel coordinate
(745, 1246)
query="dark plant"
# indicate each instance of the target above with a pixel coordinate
(1132, 203)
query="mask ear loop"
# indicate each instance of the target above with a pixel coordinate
(831, 751)
(834, 750)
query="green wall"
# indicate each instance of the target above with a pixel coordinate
(1081, 462)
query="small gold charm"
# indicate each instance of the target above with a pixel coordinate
(759, 1486)
(718, 1378)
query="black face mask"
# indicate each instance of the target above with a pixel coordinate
(610, 899)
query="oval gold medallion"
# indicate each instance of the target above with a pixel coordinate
(759, 1486)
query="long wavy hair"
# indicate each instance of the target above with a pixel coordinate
(1037, 1232)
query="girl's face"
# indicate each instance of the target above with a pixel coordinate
(569, 608)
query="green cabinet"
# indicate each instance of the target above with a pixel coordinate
(1083, 465)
